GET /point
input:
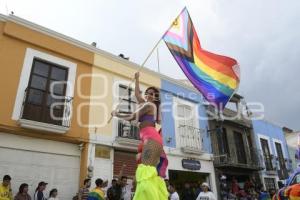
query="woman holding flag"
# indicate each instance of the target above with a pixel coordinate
(215, 76)
(150, 186)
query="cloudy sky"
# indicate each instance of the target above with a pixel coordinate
(263, 35)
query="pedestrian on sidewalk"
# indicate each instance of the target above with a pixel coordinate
(206, 194)
(23, 193)
(5, 189)
(187, 193)
(173, 193)
(97, 193)
(197, 188)
(84, 191)
(122, 190)
(263, 195)
(53, 194)
(112, 192)
(39, 191)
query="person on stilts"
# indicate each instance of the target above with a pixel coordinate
(149, 185)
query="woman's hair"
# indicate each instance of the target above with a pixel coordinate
(99, 182)
(37, 188)
(156, 101)
(22, 186)
(39, 185)
(52, 191)
(86, 180)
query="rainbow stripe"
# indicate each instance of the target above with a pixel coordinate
(215, 76)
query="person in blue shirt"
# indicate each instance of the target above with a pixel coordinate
(263, 195)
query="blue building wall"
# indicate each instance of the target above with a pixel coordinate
(273, 132)
(168, 91)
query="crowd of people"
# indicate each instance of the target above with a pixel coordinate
(151, 170)
(22, 194)
(250, 191)
(120, 189)
(192, 192)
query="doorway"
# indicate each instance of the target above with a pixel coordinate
(195, 179)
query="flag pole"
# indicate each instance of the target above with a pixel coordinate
(143, 64)
(139, 69)
(158, 42)
(157, 56)
(150, 54)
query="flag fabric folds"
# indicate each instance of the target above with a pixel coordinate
(215, 76)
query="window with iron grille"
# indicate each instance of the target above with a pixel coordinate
(128, 105)
(223, 142)
(266, 153)
(280, 155)
(240, 147)
(283, 169)
(270, 184)
(127, 98)
(39, 97)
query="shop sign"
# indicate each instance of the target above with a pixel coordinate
(191, 164)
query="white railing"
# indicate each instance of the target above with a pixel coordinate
(128, 130)
(190, 138)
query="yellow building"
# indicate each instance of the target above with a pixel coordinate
(44, 91)
(58, 96)
(114, 143)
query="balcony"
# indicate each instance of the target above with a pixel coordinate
(282, 174)
(231, 116)
(190, 140)
(50, 114)
(273, 166)
(270, 163)
(254, 160)
(128, 133)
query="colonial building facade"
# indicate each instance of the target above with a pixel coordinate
(114, 143)
(57, 96)
(236, 155)
(186, 139)
(271, 141)
(40, 137)
(292, 140)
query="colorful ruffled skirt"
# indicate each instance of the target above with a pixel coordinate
(149, 186)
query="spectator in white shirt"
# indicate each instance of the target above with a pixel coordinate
(206, 194)
(53, 194)
(173, 194)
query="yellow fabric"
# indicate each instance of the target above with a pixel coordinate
(5, 194)
(150, 186)
(219, 76)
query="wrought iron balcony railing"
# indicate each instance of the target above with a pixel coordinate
(44, 108)
(253, 160)
(190, 139)
(128, 130)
